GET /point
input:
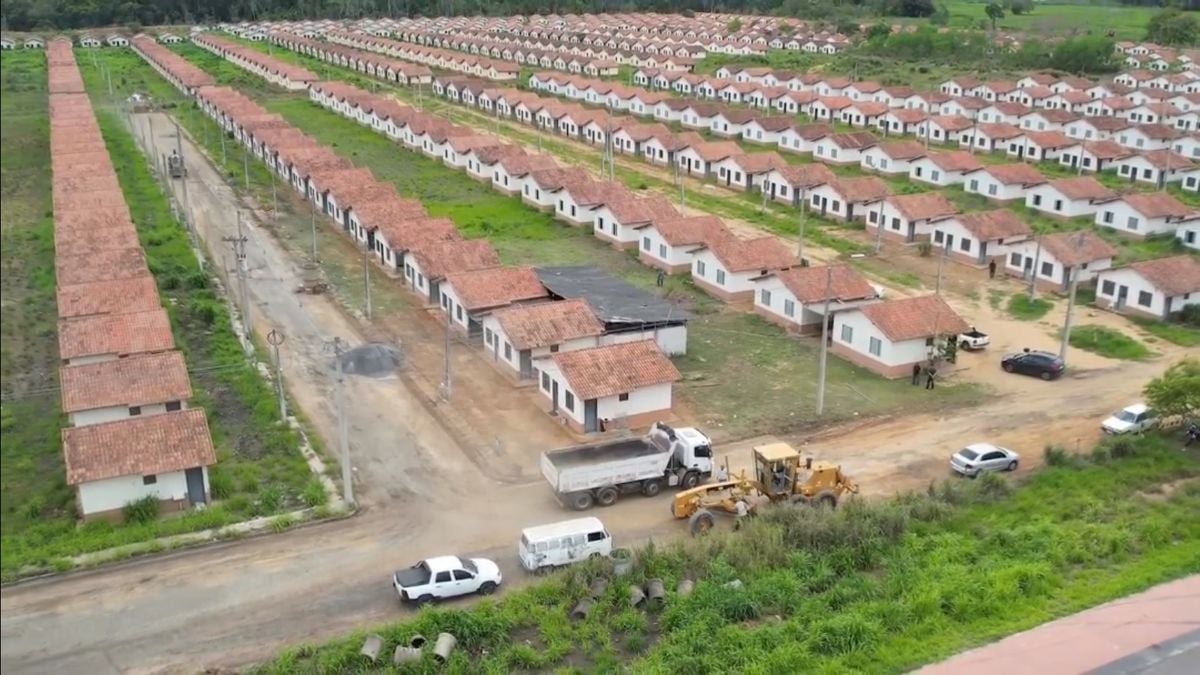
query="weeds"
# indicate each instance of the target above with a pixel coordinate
(1021, 307)
(141, 511)
(1109, 343)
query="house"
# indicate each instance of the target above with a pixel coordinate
(1002, 112)
(844, 148)
(890, 337)
(7, 43)
(107, 391)
(668, 244)
(1068, 197)
(1148, 136)
(730, 123)
(117, 41)
(618, 221)
(1039, 146)
(891, 157)
(788, 184)
(944, 128)
(1003, 182)
(700, 159)
(902, 121)
(91, 339)
(1188, 235)
(34, 42)
(625, 385)
(165, 456)
(1157, 167)
(989, 137)
(1094, 155)
(908, 218)
(469, 296)
(746, 172)
(958, 86)
(726, 267)
(846, 198)
(428, 263)
(1058, 255)
(1156, 289)
(516, 336)
(1096, 128)
(766, 129)
(977, 237)
(90, 42)
(943, 168)
(803, 138)
(795, 298)
(1144, 214)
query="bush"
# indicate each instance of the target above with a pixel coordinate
(141, 511)
(925, 249)
(270, 499)
(314, 493)
(219, 483)
(843, 634)
(1058, 456)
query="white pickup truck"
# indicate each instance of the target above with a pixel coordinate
(973, 340)
(446, 577)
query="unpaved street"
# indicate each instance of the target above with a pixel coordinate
(423, 495)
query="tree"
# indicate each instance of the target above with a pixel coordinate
(878, 30)
(940, 16)
(994, 12)
(1173, 27)
(1018, 7)
(1177, 391)
(734, 26)
(909, 8)
(1084, 54)
(847, 27)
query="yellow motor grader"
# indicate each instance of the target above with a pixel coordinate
(779, 476)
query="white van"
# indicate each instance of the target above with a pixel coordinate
(563, 543)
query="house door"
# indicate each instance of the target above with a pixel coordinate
(195, 486)
(824, 205)
(554, 396)
(474, 327)
(982, 251)
(1020, 151)
(590, 423)
(849, 211)
(948, 244)
(526, 364)
(1122, 296)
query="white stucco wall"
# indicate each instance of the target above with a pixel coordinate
(653, 245)
(84, 418)
(644, 400)
(1121, 217)
(114, 493)
(862, 330)
(1050, 198)
(672, 340)
(985, 184)
(1159, 303)
(707, 267)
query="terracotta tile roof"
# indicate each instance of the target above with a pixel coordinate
(858, 140)
(691, 230)
(992, 225)
(646, 210)
(493, 154)
(521, 165)
(805, 176)
(117, 296)
(1054, 115)
(123, 263)
(998, 130)
(951, 122)
(871, 108)
(1050, 139)
(914, 318)
(439, 258)
(590, 193)
(82, 242)
(923, 206)
(909, 115)
(775, 122)
(1075, 248)
(1159, 132)
(863, 189)
(133, 381)
(1159, 205)
(1107, 149)
(377, 213)
(738, 116)
(120, 334)
(1011, 107)
(1167, 159)
(716, 150)
(548, 323)
(559, 177)
(744, 255)
(955, 160)
(1017, 173)
(495, 287)
(812, 132)
(615, 369)
(809, 284)
(139, 446)
(96, 218)
(1177, 275)
(902, 150)
(1082, 187)
(759, 162)
(1107, 123)
(405, 234)
(834, 102)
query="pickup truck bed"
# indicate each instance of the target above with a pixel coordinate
(412, 576)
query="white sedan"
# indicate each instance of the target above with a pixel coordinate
(980, 458)
(1133, 419)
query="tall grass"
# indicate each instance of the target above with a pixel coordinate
(872, 587)
(1110, 343)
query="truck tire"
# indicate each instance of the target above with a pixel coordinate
(701, 522)
(652, 487)
(690, 480)
(607, 496)
(580, 501)
(826, 498)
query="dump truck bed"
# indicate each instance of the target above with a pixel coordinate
(588, 467)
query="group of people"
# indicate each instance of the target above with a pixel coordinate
(929, 370)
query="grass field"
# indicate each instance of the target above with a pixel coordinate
(1021, 307)
(1110, 343)
(874, 587)
(1055, 19)
(1175, 333)
(260, 470)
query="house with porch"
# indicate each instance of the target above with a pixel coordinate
(843, 149)
(795, 298)
(118, 389)
(788, 184)
(1003, 182)
(1156, 289)
(891, 157)
(943, 169)
(890, 337)
(802, 138)
(1093, 155)
(618, 221)
(978, 237)
(1157, 167)
(515, 336)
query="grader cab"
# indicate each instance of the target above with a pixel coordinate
(778, 476)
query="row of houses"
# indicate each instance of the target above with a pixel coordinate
(125, 387)
(34, 42)
(1149, 56)
(286, 75)
(176, 69)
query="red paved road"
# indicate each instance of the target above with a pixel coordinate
(1090, 639)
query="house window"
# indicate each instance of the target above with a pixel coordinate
(173, 406)
(487, 336)
(700, 268)
(974, 185)
(645, 243)
(1047, 269)
(873, 216)
(545, 382)
(623, 397)
(1108, 217)
(765, 297)
(135, 410)
(720, 277)
(149, 480)
(569, 401)
(835, 206)
(1058, 205)
(1132, 223)
(789, 308)
(935, 175)
(847, 333)
(1037, 200)
(1145, 298)
(876, 346)
(937, 236)
(964, 244)
(507, 351)
(1107, 287)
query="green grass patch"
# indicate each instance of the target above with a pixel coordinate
(1109, 343)
(878, 587)
(1175, 333)
(1021, 307)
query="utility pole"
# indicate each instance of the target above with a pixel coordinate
(314, 234)
(824, 342)
(187, 209)
(941, 264)
(343, 425)
(1077, 241)
(447, 377)
(1037, 255)
(879, 230)
(276, 338)
(239, 256)
(800, 241)
(367, 279)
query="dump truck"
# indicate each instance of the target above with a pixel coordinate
(175, 165)
(600, 473)
(779, 476)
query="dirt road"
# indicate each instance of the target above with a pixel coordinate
(241, 601)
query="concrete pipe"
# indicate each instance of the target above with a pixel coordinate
(417, 641)
(622, 559)
(685, 587)
(444, 645)
(636, 596)
(655, 591)
(405, 655)
(371, 647)
(599, 585)
(581, 610)
(736, 583)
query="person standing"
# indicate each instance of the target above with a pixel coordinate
(662, 278)
(916, 374)
(992, 269)
(930, 375)
(741, 510)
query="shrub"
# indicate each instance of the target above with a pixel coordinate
(141, 511)
(843, 634)
(314, 492)
(1058, 456)
(219, 483)
(925, 249)
(270, 499)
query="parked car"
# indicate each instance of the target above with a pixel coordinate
(1134, 418)
(1037, 363)
(444, 577)
(980, 458)
(973, 340)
